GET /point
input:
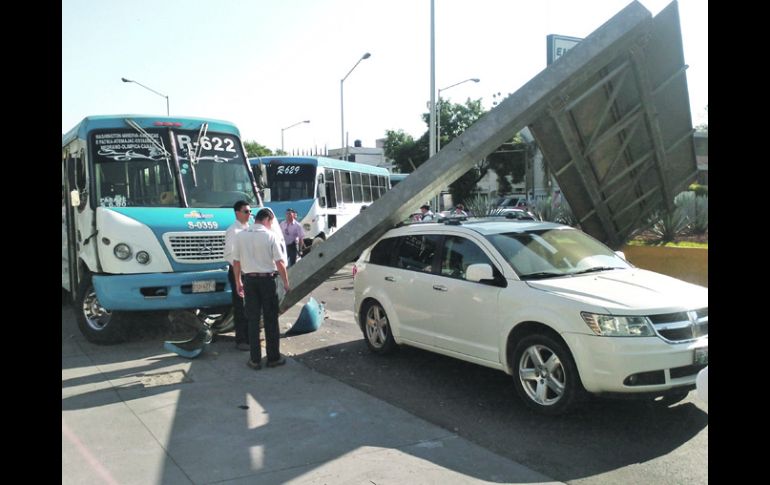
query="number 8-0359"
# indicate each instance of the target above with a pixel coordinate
(203, 225)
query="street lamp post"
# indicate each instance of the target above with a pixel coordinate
(342, 106)
(438, 118)
(292, 126)
(149, 89)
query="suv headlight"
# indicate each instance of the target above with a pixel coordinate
(615, 326)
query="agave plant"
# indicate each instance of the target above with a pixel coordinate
(667, 226)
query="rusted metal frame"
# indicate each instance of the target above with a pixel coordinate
(645, 213)
(613, 91)
(651, 121)
(621, 151)
(636, 201)
(601, 82)
(628, 182)
(572, 140)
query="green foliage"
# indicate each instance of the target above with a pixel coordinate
(560, 213)
(508, 162)
(481, 205)
(700, 190)
(254, 149)
(696, 209)
(406, 153)
(667, 226)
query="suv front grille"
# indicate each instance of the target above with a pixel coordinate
(198, 247)
(682, 326)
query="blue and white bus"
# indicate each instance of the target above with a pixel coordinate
(146, 201)
(326, 193)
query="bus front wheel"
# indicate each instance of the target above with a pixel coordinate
(96, 323)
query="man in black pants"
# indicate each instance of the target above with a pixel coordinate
(242, 215)
(258, 258)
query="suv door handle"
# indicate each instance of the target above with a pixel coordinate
(440, 287)
(390, 278)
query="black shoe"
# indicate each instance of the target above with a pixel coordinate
(254, 365)
(275, 363)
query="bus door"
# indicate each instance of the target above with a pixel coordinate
(71, 166)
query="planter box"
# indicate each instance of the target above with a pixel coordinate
(688, 264)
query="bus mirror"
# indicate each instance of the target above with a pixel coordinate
(75, 198)
(266, 194)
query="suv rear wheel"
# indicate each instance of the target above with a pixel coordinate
(545, 375)
(376, 327)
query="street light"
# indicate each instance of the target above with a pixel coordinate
(342, 109)
(438, 118)
(292, 126)
(149, 89)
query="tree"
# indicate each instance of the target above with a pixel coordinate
(254, 149)
(406, 154)
(507, 161)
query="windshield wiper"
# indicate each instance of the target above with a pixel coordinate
(539, 275)
(595, 269)
(133, 124)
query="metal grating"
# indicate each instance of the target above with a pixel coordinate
(620, 141)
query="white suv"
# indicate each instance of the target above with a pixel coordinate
(546, 303)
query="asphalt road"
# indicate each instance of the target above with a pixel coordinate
(607, 441)
(604, 442)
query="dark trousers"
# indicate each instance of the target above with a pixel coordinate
(291, 254)
(260, 297)
(239, 315)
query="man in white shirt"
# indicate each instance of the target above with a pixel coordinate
(242, 215)
(257, 258)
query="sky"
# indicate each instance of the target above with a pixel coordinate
(268, 64)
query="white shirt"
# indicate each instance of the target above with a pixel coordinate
(234, 229)
(257, 248)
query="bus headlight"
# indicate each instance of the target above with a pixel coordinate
(143, 257)
(122, 251)
(306, 226)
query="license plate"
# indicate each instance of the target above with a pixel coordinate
(702, 355)
(204, 286)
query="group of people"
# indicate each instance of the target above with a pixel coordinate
(428, 215)
(257, 257)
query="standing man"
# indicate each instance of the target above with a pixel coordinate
(242, 215)
(427, 214)
(258, 258)
(293, 235)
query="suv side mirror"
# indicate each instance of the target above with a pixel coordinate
(478, 272)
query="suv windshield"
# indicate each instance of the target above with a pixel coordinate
(548, 253)
(132, 170)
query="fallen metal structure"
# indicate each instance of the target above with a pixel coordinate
(611, 117)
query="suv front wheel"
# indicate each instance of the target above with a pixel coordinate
(545, 376)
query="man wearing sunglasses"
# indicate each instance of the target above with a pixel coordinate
(242, 215)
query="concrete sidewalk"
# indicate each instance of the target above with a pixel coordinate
(134, 413)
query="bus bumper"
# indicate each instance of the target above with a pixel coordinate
(163, 291)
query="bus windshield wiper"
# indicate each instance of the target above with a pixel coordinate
(595, 269)
(133, 124)
(196, 155)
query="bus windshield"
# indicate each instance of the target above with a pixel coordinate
(138, 170)
(290, 182)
